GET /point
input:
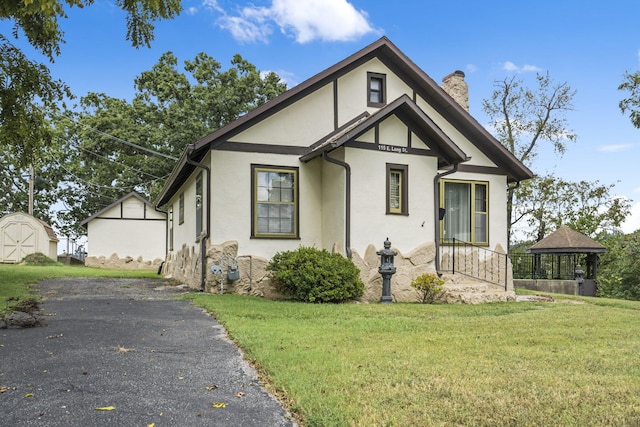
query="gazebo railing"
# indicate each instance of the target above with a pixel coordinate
(544, 266)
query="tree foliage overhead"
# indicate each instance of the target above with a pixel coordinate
(171, 109)
(28, 93)
(631, 104)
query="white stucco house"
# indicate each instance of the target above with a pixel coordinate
(367, 149)
(128, 234)
(22, 234)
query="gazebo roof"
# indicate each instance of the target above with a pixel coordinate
(566, 240)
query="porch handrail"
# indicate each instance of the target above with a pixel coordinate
(477, 262)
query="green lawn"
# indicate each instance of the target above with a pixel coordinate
(16, 280)
(574, 362)
(503, 364)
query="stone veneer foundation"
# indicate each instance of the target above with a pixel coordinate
(255, 280)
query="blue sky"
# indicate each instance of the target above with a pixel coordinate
(588, 44)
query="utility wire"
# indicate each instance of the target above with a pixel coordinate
(111, 160)
(130, 144)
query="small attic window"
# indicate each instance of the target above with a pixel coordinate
(376, 89)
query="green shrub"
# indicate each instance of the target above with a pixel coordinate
(313, 275)
(429, 288)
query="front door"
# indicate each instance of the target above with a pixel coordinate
(18, 240)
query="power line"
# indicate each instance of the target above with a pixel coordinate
(111, 160)
(131, 144)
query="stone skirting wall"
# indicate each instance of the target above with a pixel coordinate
(184, 266)
(127, 263)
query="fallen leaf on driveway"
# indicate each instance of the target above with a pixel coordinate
(105, 408)
(3, 389)
(211, 387)
(121, 349)
(28, 395)
(239, 394)
(219, 405)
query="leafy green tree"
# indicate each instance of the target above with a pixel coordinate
(524, 118)
(548, 202)
(631, 104)
(619, 275)
(171, 109)
(28, 93)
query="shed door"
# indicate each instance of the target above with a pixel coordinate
(18, 240)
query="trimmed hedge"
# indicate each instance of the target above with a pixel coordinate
(313, 275)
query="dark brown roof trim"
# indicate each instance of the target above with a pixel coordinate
(249, 147)
(489, 170)
(114, 204)
(410, 114)
(400, 64)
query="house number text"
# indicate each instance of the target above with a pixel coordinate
(392, 148)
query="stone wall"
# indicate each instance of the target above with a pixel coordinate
(114, 262)
(255, 279)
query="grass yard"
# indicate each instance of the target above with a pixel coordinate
(503, 364)
(16, 280)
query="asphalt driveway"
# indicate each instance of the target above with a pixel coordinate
(125, 352)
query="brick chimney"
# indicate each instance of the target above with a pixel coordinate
(457, 88)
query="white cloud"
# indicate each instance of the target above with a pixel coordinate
(632, 223)
(285, 76)
(527, 68)
(615, 148)
(472, 68)
(304, 20)
(192, 10)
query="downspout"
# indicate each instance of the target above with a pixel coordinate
(347, 225)
(205, 235)
(436, 206)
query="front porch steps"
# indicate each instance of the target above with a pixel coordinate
(465, 290)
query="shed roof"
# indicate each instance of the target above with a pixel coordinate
(51, 234)
(566, 240)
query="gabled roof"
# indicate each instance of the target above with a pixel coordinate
(567, 240)
(416, 120)
(116, 203)
(51, 234)
(395, 60)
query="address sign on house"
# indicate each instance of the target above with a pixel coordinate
(392, 148)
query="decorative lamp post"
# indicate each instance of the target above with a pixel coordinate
(579, 277)
(387, 269)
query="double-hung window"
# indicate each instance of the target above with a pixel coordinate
(466, 211)
(376, 89)
(275, 202)
(397, 190)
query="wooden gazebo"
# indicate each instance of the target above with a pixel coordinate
(566, 246)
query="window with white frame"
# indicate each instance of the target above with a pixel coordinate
(275, 202)
(466, 216)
